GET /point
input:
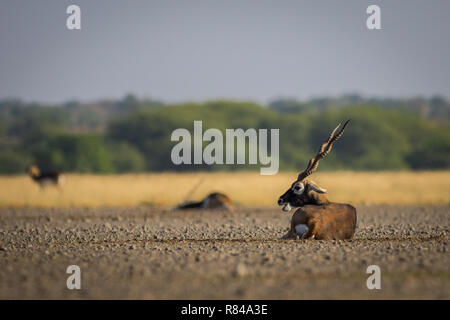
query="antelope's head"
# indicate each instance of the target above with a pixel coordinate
(33, 170)
(295, 196)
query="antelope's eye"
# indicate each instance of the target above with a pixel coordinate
(296, 188)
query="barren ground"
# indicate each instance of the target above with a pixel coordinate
(149, 253)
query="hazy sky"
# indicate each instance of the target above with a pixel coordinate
(245, 49)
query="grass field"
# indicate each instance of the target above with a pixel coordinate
(245, 188)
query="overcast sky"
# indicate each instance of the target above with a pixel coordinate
(240, 49)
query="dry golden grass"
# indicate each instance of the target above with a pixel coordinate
(245, 188)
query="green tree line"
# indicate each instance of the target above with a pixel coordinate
(133, 135)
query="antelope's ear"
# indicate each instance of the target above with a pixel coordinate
(313, 186)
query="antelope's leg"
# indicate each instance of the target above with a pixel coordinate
(301, 230)
(309, 233)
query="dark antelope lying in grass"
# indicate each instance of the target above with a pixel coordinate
(317, 217)
(45, 179)
(214, 200)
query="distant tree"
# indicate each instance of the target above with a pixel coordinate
(76, 153)
(432, 151)
(13, 162)
(288, 106)
(130, 101)
(2, 128)
(126, 158)
(133, 135)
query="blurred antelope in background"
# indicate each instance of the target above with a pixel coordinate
(317, 217)
(45, 179)
(214, 200)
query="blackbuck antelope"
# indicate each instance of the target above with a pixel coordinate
(45, 179)
(317, 217)
(214, 200)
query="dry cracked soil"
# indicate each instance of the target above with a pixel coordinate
(151, 253)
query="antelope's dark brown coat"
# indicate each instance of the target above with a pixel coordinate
(330, 221)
